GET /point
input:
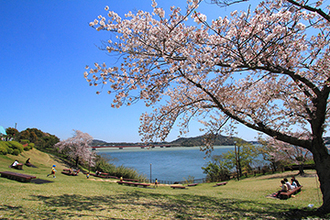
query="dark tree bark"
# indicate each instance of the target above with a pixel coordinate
(322, 164)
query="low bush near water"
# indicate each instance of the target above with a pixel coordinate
(128, 173)
(103, 165)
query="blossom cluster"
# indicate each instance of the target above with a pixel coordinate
(77, 147)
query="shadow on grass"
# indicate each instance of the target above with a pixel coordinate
(40, 181)
(181, 206)
(143, 205)
(18, 210)
(9, 207)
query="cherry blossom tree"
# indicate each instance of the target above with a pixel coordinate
(77, 147)
(278, 151)
(266, 68)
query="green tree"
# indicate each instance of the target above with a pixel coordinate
(12, 133)
(216, 171)
(49, 141)
(33, 137)
(279, 152)
(36, 131)
(43, 141)
(242, 158)
(24, 135)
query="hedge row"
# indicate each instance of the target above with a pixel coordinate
(13, 147)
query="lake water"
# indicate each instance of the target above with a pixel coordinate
(166, 164)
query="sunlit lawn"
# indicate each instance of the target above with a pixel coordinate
(68, 197)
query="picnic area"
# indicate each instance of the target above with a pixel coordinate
(68, 197)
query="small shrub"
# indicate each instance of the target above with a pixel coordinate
(3, 150)
(16, 152)
(103, 166)
(10, 150)
(25, 141)
(128, 173)
(4, 143)
(11, 147)
(190, 179)
(29, 147)
(16, 146)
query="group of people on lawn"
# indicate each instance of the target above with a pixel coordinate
(16, 164)
(286, 185)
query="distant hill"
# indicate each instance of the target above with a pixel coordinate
(199, 141)
(98, 142)
(191, 141)
(104, 143)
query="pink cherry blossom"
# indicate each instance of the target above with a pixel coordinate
(77, 147)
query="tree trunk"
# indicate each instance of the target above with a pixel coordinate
(273, 166)
(77, 160)
(301, 169)
(322, 164)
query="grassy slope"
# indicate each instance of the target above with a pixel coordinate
(77, 197)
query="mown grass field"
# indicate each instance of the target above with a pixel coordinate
(76, 197)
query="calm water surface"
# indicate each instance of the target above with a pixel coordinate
(169, 164)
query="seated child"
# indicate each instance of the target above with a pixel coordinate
(284, 188)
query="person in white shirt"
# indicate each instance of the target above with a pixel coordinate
(288, 183)
(14, 164)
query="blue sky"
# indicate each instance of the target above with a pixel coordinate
(45, 46)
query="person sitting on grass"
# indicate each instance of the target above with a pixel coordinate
(14, 164)
(27, 163)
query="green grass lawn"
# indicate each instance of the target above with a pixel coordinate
(76, 197)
